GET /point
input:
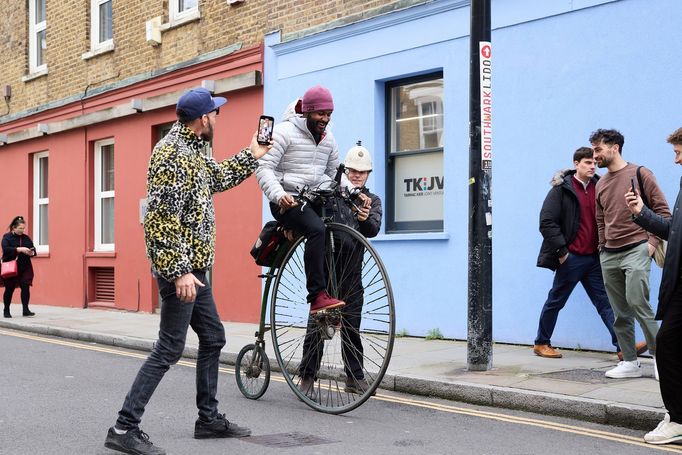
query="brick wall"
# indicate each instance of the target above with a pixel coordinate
(221, 25)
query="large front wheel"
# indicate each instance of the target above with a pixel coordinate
(335, 360)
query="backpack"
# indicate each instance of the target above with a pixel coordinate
(659, 252)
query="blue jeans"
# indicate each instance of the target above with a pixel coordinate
(576, 269)
(176, 317)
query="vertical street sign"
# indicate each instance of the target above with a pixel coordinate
(480, 311)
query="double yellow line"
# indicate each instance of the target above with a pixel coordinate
(615, 437)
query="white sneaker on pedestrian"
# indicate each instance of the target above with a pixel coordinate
(665, 433)
(655, 369)
(625, 369)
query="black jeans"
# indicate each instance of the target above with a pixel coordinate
(349, 277)
(176, 317)
(308, 223)
(669, 356)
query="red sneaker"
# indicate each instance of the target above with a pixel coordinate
(324, 301)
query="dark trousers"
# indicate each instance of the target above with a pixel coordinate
(9, 291)
(176, 317)
(576, 269)
(669, 356)
(349, 278)
(307, 222)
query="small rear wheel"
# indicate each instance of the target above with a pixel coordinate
(252, 371)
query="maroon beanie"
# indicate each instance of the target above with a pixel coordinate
(317, 98)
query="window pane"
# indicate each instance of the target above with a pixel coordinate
(419, 187)
(105, 22)
(187, 4)
(40, 11)
(41, 45)
(107, 168)
(43, 183)
(108, 220)
(417, 111)
(43, 238)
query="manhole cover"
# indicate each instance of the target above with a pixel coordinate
(283, 440)
(579, 375)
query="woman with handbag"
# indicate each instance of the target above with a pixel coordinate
(17, 246)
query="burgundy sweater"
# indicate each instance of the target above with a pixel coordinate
(586, 238)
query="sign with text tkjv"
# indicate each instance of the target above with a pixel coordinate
(486, 74)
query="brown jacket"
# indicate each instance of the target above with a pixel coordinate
(614, 220)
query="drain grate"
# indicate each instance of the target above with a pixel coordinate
(283, 440)
(579, 375)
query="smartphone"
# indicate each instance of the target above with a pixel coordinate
(265, 124)
(632, 186)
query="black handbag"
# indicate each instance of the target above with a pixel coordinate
(270, 242)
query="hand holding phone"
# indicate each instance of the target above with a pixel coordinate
(265, 125)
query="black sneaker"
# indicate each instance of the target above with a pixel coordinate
(219, 428)
(358, 386)
(135, 442)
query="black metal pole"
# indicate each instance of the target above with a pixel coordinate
(480, 308)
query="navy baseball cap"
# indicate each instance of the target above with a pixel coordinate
(197, 102)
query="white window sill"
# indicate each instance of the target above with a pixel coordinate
(411, 236)
(182, 20)
(102, 49)
(36, 75)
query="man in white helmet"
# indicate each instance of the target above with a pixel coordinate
(366, 218)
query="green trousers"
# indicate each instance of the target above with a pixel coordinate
(626, 278)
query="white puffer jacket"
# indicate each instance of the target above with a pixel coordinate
(295, 160)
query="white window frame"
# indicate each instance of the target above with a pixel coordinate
(174, 15)
(99, 195)
(95, 43)
(38, 202)
(33, 30)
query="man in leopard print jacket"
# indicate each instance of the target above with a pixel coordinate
(179, 232)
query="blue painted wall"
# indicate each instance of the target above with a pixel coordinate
(561, 70)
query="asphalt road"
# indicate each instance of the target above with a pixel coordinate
(59, 397)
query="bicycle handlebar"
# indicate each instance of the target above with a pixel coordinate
(312, 195)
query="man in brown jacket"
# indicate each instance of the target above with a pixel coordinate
(625, 248)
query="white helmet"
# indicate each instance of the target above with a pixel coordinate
(358, 158)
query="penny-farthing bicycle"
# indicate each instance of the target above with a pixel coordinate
(349, 348)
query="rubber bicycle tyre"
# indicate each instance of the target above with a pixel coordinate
(241, 375)
(289, 319)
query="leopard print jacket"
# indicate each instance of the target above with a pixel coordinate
(179, 225)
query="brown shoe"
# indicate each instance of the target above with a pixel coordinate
(640, 347)
(546, 350)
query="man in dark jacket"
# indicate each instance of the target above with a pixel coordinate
(366, 218)
(569, 229)
(669, 337)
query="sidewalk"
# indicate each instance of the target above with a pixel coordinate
(573, 386)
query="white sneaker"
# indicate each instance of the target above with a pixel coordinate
(665, 433)
(625, 369)
(655, 369)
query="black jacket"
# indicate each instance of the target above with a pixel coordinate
(10, 242)
(559, 219)
(368, 228)
(669, 229)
